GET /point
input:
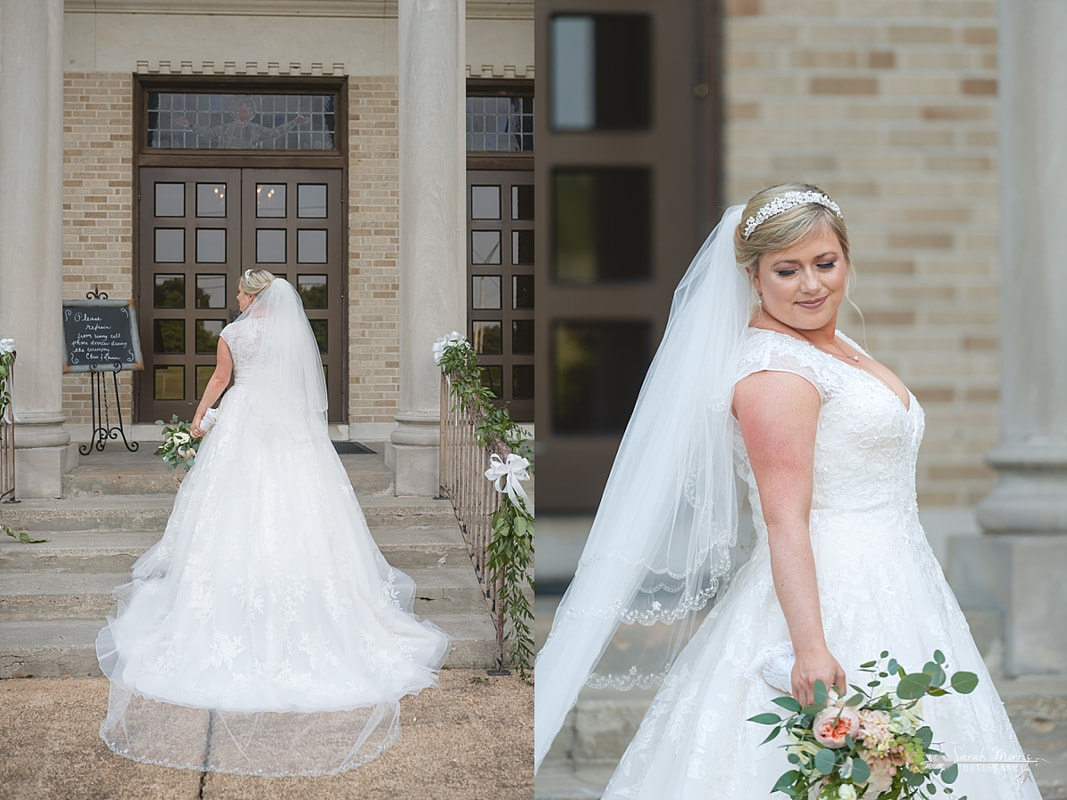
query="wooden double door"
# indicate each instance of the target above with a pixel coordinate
(198, 230)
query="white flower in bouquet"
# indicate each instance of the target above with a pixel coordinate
(7, 345)
(445, 342)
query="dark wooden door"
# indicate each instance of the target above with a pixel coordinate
(199, 228)
(500, 275)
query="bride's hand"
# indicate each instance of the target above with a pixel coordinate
(817, 665)
(194, 427)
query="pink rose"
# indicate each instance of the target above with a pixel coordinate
(833, 724)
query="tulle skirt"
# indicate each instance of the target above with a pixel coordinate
(264, 633)
(880, 588)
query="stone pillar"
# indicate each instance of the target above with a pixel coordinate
(1025, 517)
(31, 236)
(432, 69)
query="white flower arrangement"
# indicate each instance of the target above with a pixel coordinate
(450, 340)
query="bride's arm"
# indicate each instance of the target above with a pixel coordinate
(216, 385)
(779, 413)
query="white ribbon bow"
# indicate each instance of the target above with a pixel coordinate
(508, 475)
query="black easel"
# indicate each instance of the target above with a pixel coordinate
(103, 430)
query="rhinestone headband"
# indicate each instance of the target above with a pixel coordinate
(784, 202)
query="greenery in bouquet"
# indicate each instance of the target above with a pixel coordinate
(179, 445)
(871, 745)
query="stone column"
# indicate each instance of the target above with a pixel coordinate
(1025, 517)
(31, 236)
(432, 69)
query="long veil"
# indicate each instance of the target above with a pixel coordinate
(285, 365)
(659, 547)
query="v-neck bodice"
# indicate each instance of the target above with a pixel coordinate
(867, 440)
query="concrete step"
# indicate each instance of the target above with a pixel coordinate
(149, 512)
(67, 647)
(41, 596)
(404, 546)
(118, 473)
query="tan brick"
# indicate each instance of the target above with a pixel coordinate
(740, 111)
(982, 35)
(843, 85)
(920, 34)
(887, 267)
(743, 8)
(980, 86)
(958, 112)
(961, 163)
(839, 59)
(921, 241)
(923, 137)
(881, 59)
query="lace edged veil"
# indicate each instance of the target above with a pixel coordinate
(659, 547)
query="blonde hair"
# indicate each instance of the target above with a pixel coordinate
(254, 281)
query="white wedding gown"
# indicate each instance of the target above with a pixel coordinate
(264, 633)
(880, 587)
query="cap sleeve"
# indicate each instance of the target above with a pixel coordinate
(770, 351)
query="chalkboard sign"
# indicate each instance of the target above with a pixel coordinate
(100, 335)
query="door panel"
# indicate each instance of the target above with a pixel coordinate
(199, 229)
(500, 274)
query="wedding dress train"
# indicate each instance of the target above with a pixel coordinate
(264, 633)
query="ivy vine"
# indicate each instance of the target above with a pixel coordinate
(509, 555)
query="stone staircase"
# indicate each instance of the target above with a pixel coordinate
(54, 595)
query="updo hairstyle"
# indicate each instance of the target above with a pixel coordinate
(254, 281)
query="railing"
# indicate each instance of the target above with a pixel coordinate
(463, 481)
(7, 445)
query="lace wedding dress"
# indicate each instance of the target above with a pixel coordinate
(880, 588)
(264, 633)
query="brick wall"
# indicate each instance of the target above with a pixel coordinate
(98, 223)
(97, 206)
(890, 105)
(373, 250)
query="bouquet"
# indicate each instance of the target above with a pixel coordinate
(179, 445)
(869, 746)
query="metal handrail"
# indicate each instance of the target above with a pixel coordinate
(7, 443)
(463, 482)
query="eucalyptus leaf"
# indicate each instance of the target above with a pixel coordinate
(772, 734)
(766, 719)
(964, 682)
(913, 686)
(825, 760)
(788, 703)
(787, 779)
(950, 773)
(819, 690)
(860, 771)
(912, 778)
(926, 735)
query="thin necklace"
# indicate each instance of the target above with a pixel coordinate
(832, 353)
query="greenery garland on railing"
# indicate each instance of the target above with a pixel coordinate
(7, 358)
(509, 555)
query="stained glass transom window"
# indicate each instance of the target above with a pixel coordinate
(205, 121)
(500, 124)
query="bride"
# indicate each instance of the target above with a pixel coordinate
(264, 633)
(752, 373)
